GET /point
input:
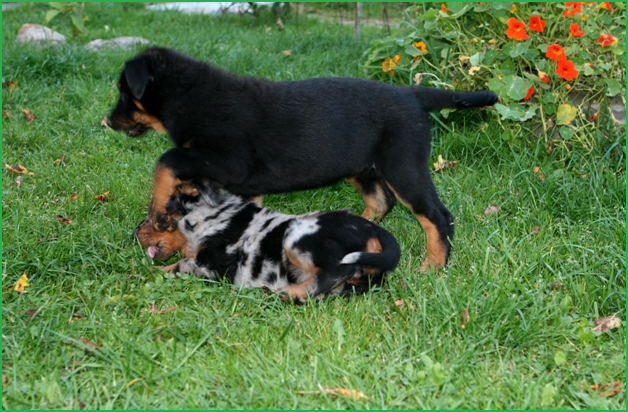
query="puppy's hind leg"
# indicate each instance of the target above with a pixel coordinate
(378, 197)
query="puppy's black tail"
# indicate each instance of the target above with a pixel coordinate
(387, 260)
(436, 99)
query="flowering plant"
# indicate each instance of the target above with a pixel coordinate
(535, 56)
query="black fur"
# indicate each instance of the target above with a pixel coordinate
(257, 137)
(314, 255)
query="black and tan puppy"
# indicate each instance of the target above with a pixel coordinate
(309, 256)
(257, 137)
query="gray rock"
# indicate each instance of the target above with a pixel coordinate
(125, 42)
(39, 35)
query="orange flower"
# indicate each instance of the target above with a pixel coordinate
(605, 5)
(606, 40)
(443, 8)
(530, 93)
(575, 30)
(555, 52)
(575, 8)
(421, 46)
(567, 70)
(389, 64)
(536, 24)
(543, 76)
(513, 8)
(516, 29)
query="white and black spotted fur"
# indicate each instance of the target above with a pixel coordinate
(313, 255)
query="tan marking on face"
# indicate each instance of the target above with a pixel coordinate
(301, 291)
(301, 262)
(168, 243)
(146, 119)
(436, 254)
(376, 205)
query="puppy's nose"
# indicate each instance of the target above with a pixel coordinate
(137, 229)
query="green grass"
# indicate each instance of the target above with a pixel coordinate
(223, 347)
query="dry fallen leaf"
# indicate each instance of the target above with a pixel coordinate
(76, 316)
(104, 197)
(535, 230)
(463, 59)
(29, 115)
(401, 302)
(473, 70)
(5, 380)
(18, 181)
(442, 164)
(606, 324)
(33, 312)
(347, 393)
(613, 388)
(64, 220)
(465, 317)
(155, 309)
(103, 122)
(21, 284)
(287, 52)
(91, 345)
(417, 78)
(538, 172)
(490, 209)
(16, 168)
(10, 85)
(60, 160)
(73, 196)
(6, 114)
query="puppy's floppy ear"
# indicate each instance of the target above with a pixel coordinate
(136, 73)
(210, 191)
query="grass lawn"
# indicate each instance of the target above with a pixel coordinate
(532, 297)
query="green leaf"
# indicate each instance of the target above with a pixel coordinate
(507, 67)
(531, 54)
(520, 48)
(49, 16)
(427, 361)
(614, 87)
(549, 109)
(560, 358)
(516, 87)
(413, 51)
(77, 24)
(566, 113)
(542, 48)
(618, 49)
(516, 112)
(340, 331)
(507, 135)
(489, 56)
(565, 304)
(501, 6)
(605, 66)
(548, 394)
(476, 59)
(567, 132)
(549, 98)
(497, 85)
(541, 65)
(588, 71)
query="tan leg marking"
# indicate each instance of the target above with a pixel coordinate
(375, 203)
(304, 264)
(169, 268)
(146, 119)
(165, 185)
(373, 245)
(436, 255)
(259, 200)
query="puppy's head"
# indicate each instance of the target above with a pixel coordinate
(160, 234)
(138, 108)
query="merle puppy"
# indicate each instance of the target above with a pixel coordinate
(257, 137)
(309, 256)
